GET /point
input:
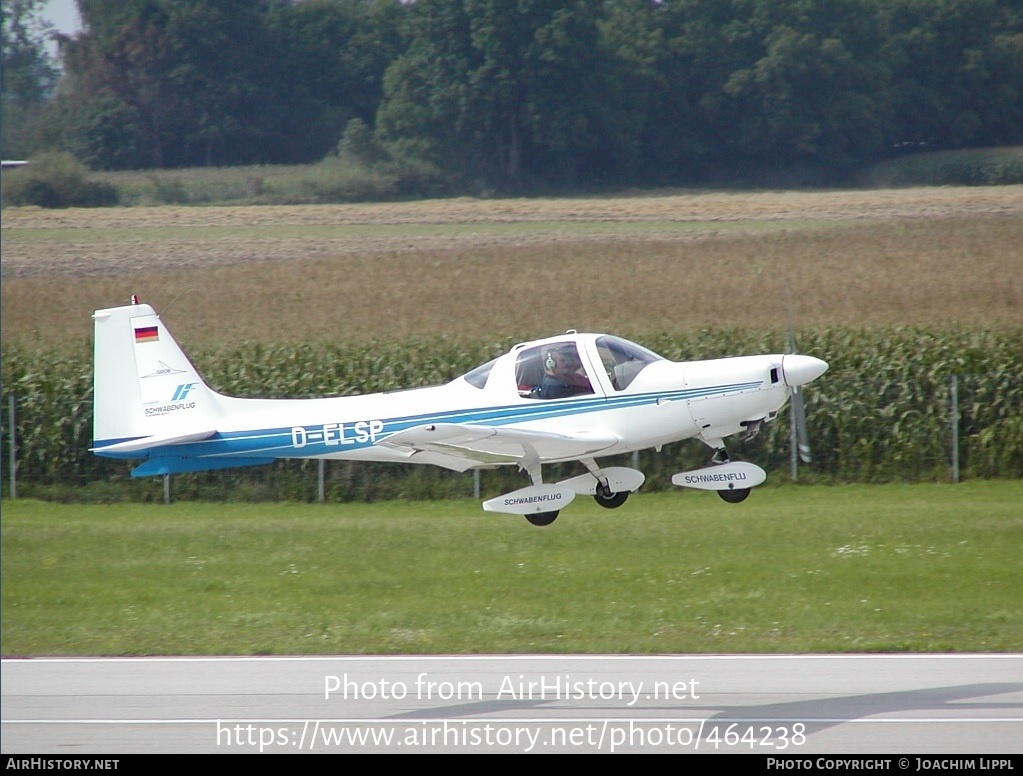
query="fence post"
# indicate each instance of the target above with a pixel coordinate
(166, 489)
(954, 420)
(320, 487)
(13, 458)
(793, 442)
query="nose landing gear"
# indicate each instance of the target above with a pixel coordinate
(735, 496)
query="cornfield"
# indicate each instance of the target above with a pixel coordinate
(883, 412)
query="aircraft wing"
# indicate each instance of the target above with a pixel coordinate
(497, 444)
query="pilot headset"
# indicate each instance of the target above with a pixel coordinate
(550, 363)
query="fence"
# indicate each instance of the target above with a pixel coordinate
(939, 427)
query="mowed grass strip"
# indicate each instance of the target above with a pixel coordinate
(795, 569)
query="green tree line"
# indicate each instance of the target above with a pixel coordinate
(516, 94)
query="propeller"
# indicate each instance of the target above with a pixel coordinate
(800, 433)
(799, 370)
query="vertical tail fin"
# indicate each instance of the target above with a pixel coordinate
(145, 390)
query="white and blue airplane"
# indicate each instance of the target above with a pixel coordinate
(572, 397)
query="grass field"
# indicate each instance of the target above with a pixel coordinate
(795, 569)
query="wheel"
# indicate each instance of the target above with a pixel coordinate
(542, 518)
(610, 500)
(734, 496)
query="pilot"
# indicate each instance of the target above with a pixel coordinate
(562, 375)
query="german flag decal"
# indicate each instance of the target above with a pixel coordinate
(147, 334)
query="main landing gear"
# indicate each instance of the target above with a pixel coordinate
(604, 496)
(541, 502)
(607, 498)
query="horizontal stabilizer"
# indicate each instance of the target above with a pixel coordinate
(158, 440)
(176, 465)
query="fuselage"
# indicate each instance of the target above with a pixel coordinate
(632, 396)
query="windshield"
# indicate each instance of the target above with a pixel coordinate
(623, 360)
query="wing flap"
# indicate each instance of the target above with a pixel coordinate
(497, 444)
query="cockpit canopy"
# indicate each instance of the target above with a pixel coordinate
(563, 366)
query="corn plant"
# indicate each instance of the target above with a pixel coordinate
(882, 412)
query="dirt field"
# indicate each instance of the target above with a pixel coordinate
(521, 268)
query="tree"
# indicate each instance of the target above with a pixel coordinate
(27, 74)
(227, 82)
(959, 71)
(425, 90)
(329, 61)
(666, 54)
(782, 83)
(501, 89)
(184, 74)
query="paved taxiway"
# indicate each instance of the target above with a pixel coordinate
(785, 706)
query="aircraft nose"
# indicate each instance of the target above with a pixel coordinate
(800, 370)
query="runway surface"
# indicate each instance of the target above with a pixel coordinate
(781, 706)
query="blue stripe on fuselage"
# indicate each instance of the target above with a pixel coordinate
(278, 442)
